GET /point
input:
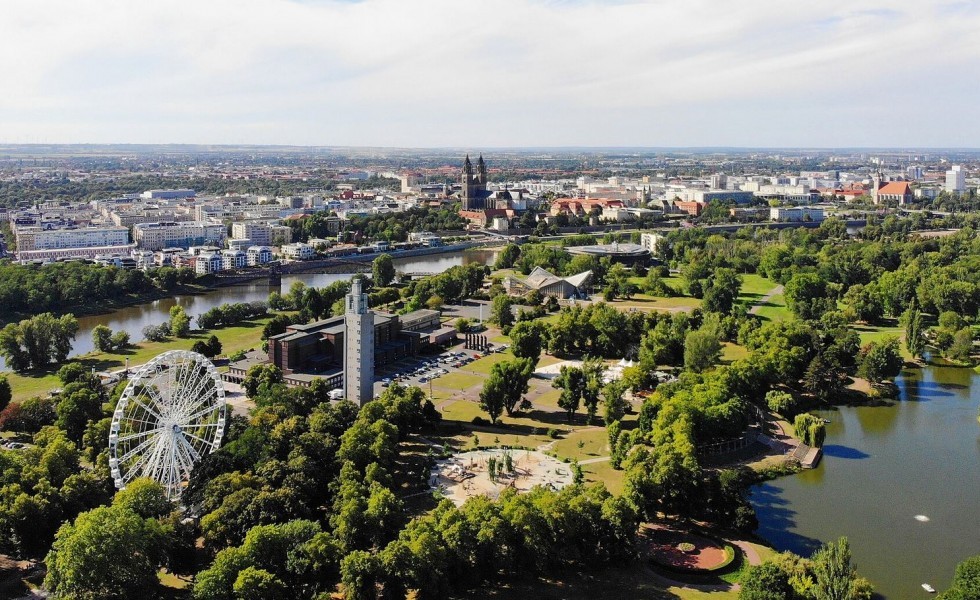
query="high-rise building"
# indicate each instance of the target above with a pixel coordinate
(955, 180)
(358, 347)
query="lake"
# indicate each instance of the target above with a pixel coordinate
(882, 466)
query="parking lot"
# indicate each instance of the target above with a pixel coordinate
(421, 370)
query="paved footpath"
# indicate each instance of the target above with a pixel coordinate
(765, 299)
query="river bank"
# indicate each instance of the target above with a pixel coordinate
(132, 315)
(244, 336)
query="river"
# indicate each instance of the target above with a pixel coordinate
(882, 467)
(133, 319)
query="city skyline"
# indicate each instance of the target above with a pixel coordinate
(508, 74)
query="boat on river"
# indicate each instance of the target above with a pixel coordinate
(928, 588)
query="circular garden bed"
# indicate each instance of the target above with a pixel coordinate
(687, 552)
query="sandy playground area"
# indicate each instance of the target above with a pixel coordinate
(464, 475)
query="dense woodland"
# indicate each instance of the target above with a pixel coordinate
(76, 285)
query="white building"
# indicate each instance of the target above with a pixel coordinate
(258, 255)
(956, 180)
(39, 238)
(233, 259)
(358, 347)
(298, 251)
(207, 263)
(157, 236)
(167, 194)
(652, 241)
(262, 233)
(68, 253)
(797, 214)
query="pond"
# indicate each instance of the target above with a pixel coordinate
(883, 466)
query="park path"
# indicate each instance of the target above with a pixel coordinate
(765, 299)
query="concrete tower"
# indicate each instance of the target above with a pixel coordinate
(358, 347)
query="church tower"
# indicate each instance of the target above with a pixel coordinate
(358, 347)
(473, 187)
(481, 170)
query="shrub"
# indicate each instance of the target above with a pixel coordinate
(554, 433)
(782, 403)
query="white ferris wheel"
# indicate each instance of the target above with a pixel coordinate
(171, 414)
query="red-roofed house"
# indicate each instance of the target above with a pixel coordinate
(894, 191)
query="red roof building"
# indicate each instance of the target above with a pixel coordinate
(894, 191)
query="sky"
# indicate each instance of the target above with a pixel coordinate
(500, 73)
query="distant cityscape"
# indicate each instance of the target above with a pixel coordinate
(210, 232)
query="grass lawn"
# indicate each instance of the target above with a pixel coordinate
(457, 381)
(644, 302)
(755, 286)
(775, 309)
(483, 365)
(876, 333)
(595, 443)
(731, 352)
(239, 337)
(603, 471)
(549, 399)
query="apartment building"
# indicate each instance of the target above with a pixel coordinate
(262, 233)
(157, 236)
(797, 213)
(45, 238)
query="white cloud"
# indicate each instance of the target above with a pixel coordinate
(507, 72)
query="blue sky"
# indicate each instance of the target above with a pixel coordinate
(833, 73)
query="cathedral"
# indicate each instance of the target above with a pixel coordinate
(474, 186)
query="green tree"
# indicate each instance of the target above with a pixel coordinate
(781, 402)
(966, 581)
(810, 429)
(119, 340)
(145, 497)
(5, 392)
(962, 346)
(914, 339)
(359, 572)
(702, 349)
(504, 387)
(507, 257)
(881, 360)
(835, 574)
(38, 341)
(383, 270)
(258, 584)
(180, 323)
(259, 375)
(527, 339)
(865, 302)
(108, 552)
(721, 291)
(767, 581)
(214, 345)
(76, 407)
(102, 338)
(614, 403)
(592, 370)
(571, 381)
(500, 312)
(807, 296)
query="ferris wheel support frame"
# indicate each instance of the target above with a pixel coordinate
(173, 417)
